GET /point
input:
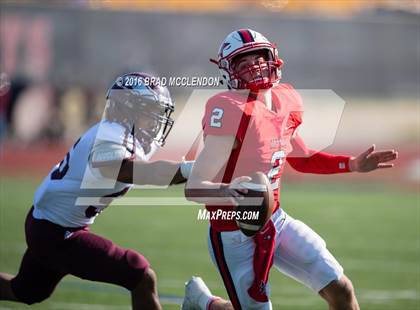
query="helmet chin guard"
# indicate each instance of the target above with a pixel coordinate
(246, 41)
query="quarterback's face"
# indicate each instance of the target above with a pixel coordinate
(251, 66)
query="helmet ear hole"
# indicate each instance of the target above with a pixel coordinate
(224, 64)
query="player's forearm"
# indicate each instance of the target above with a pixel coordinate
(307, 160)
(155, 173)
(320, 163)
(161, 172)
(130, 171)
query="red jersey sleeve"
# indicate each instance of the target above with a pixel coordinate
(224, 117)
(310, 161)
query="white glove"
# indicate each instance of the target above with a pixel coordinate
(186, 167)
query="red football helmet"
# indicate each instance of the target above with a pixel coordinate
(241, 42)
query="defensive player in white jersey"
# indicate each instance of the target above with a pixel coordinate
(102, 164)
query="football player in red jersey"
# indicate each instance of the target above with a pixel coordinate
(103, 164)
(252, 127)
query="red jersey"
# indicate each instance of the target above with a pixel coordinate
(263, 136)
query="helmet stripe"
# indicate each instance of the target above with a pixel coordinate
(250, 35)
(246, 36)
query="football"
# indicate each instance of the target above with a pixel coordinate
(258, 201)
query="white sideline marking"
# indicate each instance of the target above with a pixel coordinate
(382, 295)
(380, 265)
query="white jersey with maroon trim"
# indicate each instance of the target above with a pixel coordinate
(59, 198)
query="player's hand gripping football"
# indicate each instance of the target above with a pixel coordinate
(236, 191)
(371, 160)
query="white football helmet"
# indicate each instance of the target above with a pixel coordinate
(244, 41)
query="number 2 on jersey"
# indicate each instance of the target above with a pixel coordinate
(276, 162)
(216, 116)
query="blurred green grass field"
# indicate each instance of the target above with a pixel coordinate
(373, 232)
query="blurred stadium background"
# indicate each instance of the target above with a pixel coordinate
(59, 57)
